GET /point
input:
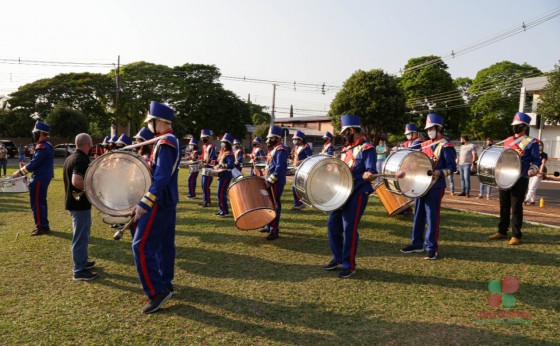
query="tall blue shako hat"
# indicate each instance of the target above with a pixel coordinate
(409, 128)
(328, 135)
(144, 134)
(124, 140)
(521, 118)
(160, 111)
(349, 120)
(274, 131)
(193, 141)
(432, 120)
(113, 139)
(106, 140)
(227, 138)
(204, 133)
(299, 135)
(42, 127)
(257, 140)
(236, 142)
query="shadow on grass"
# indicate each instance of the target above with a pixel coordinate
(11, 203)
(280, 323)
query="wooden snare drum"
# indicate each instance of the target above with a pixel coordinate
(393, 203)
(251, 203)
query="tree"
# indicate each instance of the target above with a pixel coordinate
(376, 97)
(258, 114)
(430, 88)
(67, 122)
(549, 107)
(15, 123)
(495, 92)
(261, 130)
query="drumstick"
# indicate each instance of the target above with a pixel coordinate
(119, 234)
(398, 175)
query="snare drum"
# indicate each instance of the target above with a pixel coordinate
(393, 203)
(195, 167)
(13, 185)
(323, 182)
(116, 181)
(499, 167)
(210, 172)
(417, 167)
(251, 203)
(291, 170)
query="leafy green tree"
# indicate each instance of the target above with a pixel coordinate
(66, 122)
(15, 123)
(258, 114)
(495, 92)
(261, 130)
(430, 88)
(376, 97)
(549, 107)
(86, 92)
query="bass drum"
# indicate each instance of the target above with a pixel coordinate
(14, 185)
(393, 203)
(251, 203)
(417, 167)
(323, 182)
(116, 181)
(499, 167)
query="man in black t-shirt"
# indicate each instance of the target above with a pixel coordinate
(79, 207)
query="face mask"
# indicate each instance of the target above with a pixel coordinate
(295, 142)
(432, 134)
(271, 142)
(205, 140)
(463, 143)
(409, 136)
(517, 129)
(223, 145)
(255, 144)
(36, 136)
(349, 137)
(152, 127)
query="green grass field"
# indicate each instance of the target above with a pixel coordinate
(234, 287)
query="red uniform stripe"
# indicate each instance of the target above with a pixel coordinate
(143, 255)
(354, 231)
(37, 206)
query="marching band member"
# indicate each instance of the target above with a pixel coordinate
(153, 245)
(511, 200)
(427, 208)
(226, 162)
(412, 139)
(208, 159)
(360, 156)
(112, 146)
(238, 154)
(193, 175)
(105, 144)
(276, 166)
(123, 141)
(144, 135)
(328, 147)
(300, 152)
(42, 167)
(257, 154)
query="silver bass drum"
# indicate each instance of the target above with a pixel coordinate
(116, 181)
(417, 167)
(499, 167)
(323, 182)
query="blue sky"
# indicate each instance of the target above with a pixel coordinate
(304, 41)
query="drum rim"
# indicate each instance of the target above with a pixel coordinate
(249, 211)
(500, 151)
(396, 181)
(89, 177)
(241, 179)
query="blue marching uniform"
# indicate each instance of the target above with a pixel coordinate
(226, 161)
(342, 225)
(328, 149)
(153, 245)
(42, 167)
(427, 208)
(257, 154)
(277, 165)
(208, 158)
(300, 153)
(238, 159)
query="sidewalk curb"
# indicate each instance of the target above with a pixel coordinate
(496, 216)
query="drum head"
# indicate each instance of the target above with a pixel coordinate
(115, 182)
(508, 169)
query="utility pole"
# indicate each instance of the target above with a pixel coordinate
(273, 104)
(117, 82)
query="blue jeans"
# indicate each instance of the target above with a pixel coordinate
(465, 171)
(488, 188)
(379, 168)
(451, 182)
(81, 225)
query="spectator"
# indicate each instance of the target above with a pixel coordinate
(382, 151)
(466, 160)
(535, 181)
(21, 153)
(489, 143)
(3, 158)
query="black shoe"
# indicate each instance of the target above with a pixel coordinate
(157, 301)
(90, 264)
(411, 248)
(218, 213)
(264, 230)
(346, 273)
(225, 215)
(272, 236)
(85, 275)
(431, 255)
(462, 194)
(332, 265)
(40, 231)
